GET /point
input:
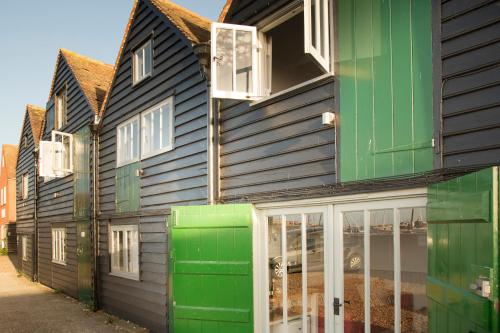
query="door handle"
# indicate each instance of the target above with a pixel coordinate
(336, 306)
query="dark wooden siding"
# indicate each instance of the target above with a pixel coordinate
(471, 82)
(55, 203)
(251, 11)
(177, 177)
(25, 209)
(278, 145)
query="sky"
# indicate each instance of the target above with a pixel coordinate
(32, 32)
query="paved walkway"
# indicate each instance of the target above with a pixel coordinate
(31, 307)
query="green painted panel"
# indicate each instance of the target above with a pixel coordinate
(127, 188)
(462, 248)
(84, 260)
(385, 75)
(81, 173)
(211, 271)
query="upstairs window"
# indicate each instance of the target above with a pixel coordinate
(60, 108)
(142, 62)
(125, 251)
(25, 181)
(157, 129)
(127, 142)
(287, 50)
(56, 156)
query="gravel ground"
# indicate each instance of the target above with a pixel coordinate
(31, 307)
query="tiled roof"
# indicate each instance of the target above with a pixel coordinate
(193, 26)
(36, 116)
(196, 28)
(94, 77)
(10, 156)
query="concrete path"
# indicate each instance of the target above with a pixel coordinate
(31, 307)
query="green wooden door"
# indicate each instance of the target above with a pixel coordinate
(462, 252)
(84, 260)
(211, 269)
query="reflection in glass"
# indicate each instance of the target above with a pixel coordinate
(275, 271)
(294, 268)
(382, 270)
(224, 58)
(244, 61)
(354, 308)
(315, 272)
(413, 233)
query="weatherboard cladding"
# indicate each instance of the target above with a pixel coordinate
(470, 51)
(55, 203)
(250, 11)
(177, 177)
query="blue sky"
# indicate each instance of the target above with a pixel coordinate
(31, 33)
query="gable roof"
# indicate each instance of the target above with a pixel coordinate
(194, 27)
(225, 10)
(93, 76)
(10, 156)
(36, 116)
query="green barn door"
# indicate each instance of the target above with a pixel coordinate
(462, 282)
(211, 269)
(81, 212)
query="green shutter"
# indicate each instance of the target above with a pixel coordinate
(127, 188)
(211, 269)
(81, 173)
(462, 248)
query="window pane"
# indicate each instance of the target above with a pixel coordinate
(139, 64)
(413, 243)
(148, 59)
(294, 270)
(275, 272)
(244, 61)
(121, 144)
(66, 163)
(147, 133)
(165, 125)
(315, 272)
(121, 253)
(314, 19)
(382, 270)
(354, 292)
(322, 31)
(129, 253)
(135, 140)
(156, 130)
(224, 58)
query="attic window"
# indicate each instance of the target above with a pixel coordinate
(142, 62)
(290, 48)
(60, 105)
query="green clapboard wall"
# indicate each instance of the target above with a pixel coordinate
(128, 188)
(462, 246)
(385, 75)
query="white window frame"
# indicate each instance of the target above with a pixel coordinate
(60, 114)
(24, 247)
(170, 104)
(119, 147)
(3, 213)
(25, 186)
(5, 195)
(322, 60)
(134, 252)
(59, 245)
(60, 171)
(255, 68)
(136, 75)
(1, 197)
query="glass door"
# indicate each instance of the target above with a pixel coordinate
(296, 272)
(382, 267)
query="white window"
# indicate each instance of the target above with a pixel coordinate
(60, 108)
(59, 245)
(157, 129)
(127, 142)
(286, 51)
(3, 213)
(143, 62)
(56, 156)
(5, 195)
(25, 186)
(24, 243)
(1, 197)
(125, 251)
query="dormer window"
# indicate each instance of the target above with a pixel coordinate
(142, 62)
(281, 52)
(60, 105)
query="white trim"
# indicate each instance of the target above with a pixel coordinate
(323, 60)
(133, 248)
(118, 138)
(70, 138)
(170, 146)
(135, 75)
(24, 246)
(59, 245)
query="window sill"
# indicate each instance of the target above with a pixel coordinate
(157, 152)
(138, 83)
(128, 276)
(62, 263)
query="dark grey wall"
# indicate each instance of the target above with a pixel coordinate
(251, 11)
(471, 82)
(278, 145)
(177, 177)
(25, 209)
(55, 203)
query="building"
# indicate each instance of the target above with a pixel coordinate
(8, 198)
(26, 192)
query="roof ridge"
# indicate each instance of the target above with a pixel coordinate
(73, 53)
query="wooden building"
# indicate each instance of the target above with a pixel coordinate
(26, 190)
(8, 198)
(153, 154)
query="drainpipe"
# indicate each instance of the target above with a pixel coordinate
(35, 217)
(94, 129)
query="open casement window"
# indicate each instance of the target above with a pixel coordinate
(317, 31)
(234, 61)
(62, 150)
(125, 251)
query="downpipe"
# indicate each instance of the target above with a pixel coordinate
(94, 129)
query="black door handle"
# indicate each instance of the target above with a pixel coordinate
(336, 306)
